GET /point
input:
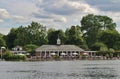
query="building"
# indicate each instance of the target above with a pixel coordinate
(19, 50)
(48, 51)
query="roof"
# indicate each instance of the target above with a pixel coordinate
(18, 47)
(58, 48)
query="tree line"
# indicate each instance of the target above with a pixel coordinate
(96, 32)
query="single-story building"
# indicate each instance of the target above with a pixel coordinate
(59, 50)
(18, 50)
(48, 51)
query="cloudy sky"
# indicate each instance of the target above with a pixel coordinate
(59, 14)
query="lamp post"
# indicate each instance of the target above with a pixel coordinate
(2, 51)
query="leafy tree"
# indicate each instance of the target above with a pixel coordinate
(111, 38)
(30, 48)
(74, 36)
(116, 45)
(10, 38)
(35, 33)
(38, 33)
(1, 35)
(2, 42)
(50, 36)
(21, 37)
(53, 36)
(107, 53)
(92, 24)
(98, 46)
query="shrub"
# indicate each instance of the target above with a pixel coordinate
(105, 53)
(56, 57)
(11, 57)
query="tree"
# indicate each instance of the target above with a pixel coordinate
(74, 36)
(111, 38)
(53, 36)
(38, 33)
(30, 48)
(92, 24)
(98, 46)
(1, 35)
(22, 37)
(10, 38)
(116, 45)
(35, 33)
(2, 42)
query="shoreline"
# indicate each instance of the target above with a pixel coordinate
(51, 59)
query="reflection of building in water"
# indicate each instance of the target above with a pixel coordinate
(48, 51)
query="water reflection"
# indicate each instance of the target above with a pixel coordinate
(60, 70)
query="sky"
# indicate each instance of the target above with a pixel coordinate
(58, 14)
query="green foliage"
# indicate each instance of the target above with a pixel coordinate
(74, 36)
(112, 50)
(53, 36)
(103, 49)
(103, 53)
(10, 38)
(56, 57)
(1, 35)
(33, 34)
(116, 45)
(2, 42)
(30, 48)
(92, 24)
(98, 46)
(11, 57)
(96, 32)
(108, 53)
(111, 38)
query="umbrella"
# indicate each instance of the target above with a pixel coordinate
(85, 53)
(63, 54)
(75, 53)
(52, 53)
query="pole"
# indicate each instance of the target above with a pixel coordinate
(1, 53)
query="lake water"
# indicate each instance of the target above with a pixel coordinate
(78, 69)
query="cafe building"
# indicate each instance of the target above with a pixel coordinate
(48, 51)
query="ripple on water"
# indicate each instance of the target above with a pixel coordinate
(60, 70)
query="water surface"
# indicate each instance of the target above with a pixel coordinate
(78, 69)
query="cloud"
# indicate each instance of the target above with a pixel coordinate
(40, 15)
(4, 14)
(4, 30)
(20, 19)
(62, 12)
(18, 11)
(65, 7)
(61, 19)
(55, 13)
(105, 5)
(19, 7)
